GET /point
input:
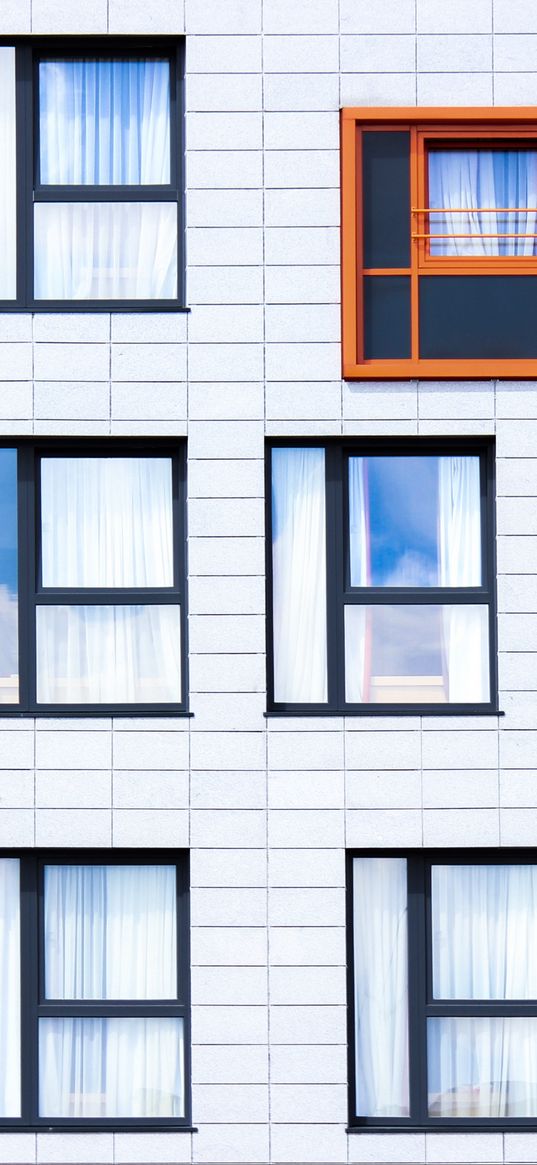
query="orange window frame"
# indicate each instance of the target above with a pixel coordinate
(426, 125)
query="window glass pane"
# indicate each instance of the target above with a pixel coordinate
(110, 932)
(415, 521)
(484, 926)
(10, 1011)
(464, 183)
(9, 648)
(105, 250)
(482, 1066)
(106, 522)
(111, 1067)
(104, 122)
(381, 986)
(424, 654)
(299, 575)
(108, 654)
(8, 173)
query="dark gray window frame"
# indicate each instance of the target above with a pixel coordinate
(31, 594)
(421, 1004)
(34, 1006)
(29, 51)
(340, 592)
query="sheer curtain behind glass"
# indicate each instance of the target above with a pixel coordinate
(105, 122)
(299, 575)
(461, 180)
(8, 175)
(466, 646)
(484, 947)
(111, 1067)
(105, 250)
(107, 523)
(122, 654)
(10, 1057)
(381, 986)
(111, 933)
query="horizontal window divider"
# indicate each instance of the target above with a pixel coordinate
(387, 271)
(106, 194)
(78, 597)
(502, 1008)
(102, 1009)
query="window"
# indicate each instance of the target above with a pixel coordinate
(439, 242)
(90, 208)
(443, 1020)
(92, 611)
(381, 577)
(94, 1021)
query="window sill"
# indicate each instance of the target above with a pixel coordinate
(93, 306)
(86, 1126)
(441, 370)
(7, 713)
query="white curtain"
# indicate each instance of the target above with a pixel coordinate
(111, 1067)
(8, 175)
(466, 647)
(484, 929)
(110, 932)
(10, 1010)
(358, 618)
(106, 522)
(461, 180)
(381, 986)
(108, 654)
(105, 250)
(104, 122)
(299, 575)
(9, 640)
(482, 1066)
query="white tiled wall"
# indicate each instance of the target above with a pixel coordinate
(268, 807)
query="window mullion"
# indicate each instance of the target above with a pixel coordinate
(29, 990)
(417, 988)
(335, 544)
(25, 165)
(26, 575)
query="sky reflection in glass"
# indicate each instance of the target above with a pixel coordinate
(401, 504)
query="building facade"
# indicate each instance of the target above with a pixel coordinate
(247, 798)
